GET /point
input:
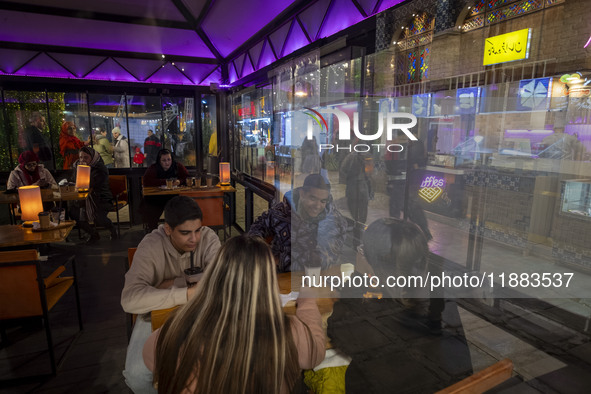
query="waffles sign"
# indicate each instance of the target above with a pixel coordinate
(431, 188)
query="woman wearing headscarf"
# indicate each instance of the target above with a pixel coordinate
(30, 172)
(156, 175)
(100, 199)
(69, 144)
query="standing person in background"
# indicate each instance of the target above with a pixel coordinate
(34, 140)
(69, 144)
(138, 158)
(358, 191)
(120, 149)
(151, 147)
(103, 146)
(310, 157)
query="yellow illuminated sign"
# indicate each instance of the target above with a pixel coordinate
(507, 47)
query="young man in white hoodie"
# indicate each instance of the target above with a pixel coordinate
(156, 279)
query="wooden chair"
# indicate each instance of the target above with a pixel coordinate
(212, 205)
(118, 186)
(158, 316)
(130, 316)
(24, 293)
(482, 381)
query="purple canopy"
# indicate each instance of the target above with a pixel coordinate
(178, 42)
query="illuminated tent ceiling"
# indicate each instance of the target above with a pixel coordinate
(125, 40)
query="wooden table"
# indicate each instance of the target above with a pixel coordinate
(47, 195)
(160, 191)
(16, 235)
(284, 279)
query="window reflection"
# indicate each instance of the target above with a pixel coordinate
(210, 150)
(179, 126)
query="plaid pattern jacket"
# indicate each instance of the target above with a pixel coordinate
(296, 242)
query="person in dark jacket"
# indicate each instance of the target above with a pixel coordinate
(403, 171)
(151, 148)
(100, 199)
(35, 141)
(156, 175)
(305, 228)
(358, 191)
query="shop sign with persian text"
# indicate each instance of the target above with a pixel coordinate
(507, 47)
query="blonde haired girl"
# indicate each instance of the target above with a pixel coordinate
(233, 336)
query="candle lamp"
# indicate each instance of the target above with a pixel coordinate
(225, 174)
(83, 178)
(31, 204)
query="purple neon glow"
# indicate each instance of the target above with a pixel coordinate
(12, 59)
(534, 137)
(255, 53)
(267, 56)
(232, 77)
(247, 67)
(296, 39)
(368, 5)
(138, 8)
(111, 71)
(230, 23)
(277, 38)
(342, 14)
(389, 3)
(196, 71)
(43, 66)
(215, 77)
(588, 42)
(85, 33)
(312, 17)
(80, 65)
(583, 132)
(140, 68)
(169, 75)
(238, 63)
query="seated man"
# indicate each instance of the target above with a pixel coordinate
(307, 218)
(156, 280)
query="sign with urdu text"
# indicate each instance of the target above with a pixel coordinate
(507, 47)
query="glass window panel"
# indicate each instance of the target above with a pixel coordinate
(74, 109)
(240, 206)
(107, 112)
(5, 158)
(145, 113)
(179, 126)
(210, 147)
(28, 127)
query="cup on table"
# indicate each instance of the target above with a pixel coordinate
(169, 183)
(58, 215)
(193, 275)
(44, 220)
(209, 180)
(313, 272)
(193, 182)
